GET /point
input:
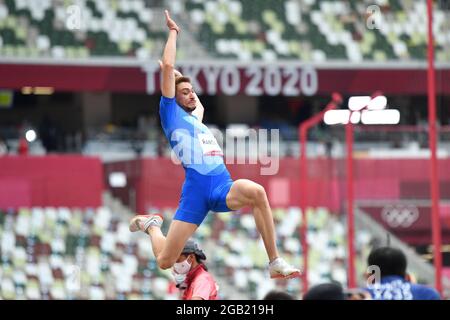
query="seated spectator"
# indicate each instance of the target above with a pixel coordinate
(357, 294)
(278, 295)
(325, 291)
(395, 283)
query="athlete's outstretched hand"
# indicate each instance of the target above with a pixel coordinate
(170, 23)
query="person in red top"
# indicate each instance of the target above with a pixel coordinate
(23, 149)
(192, 276)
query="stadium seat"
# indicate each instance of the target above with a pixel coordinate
(32, 291)
(57, 290)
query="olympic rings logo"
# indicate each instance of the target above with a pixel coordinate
(400, 215)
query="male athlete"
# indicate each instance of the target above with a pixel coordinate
(208, 185)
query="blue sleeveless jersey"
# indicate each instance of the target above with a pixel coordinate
(192, 142)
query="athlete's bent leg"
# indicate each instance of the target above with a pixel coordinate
(248, 193)
(168, 249)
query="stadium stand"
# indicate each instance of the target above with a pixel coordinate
(310, 30)
(316, 30)
(45, 250)
(106, 28)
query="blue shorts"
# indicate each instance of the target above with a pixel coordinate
(202, 193)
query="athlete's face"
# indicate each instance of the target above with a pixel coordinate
(186, 97)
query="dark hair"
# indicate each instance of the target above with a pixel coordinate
(278, 295)
(391, 261)
(191, 247)
(325, 291)
(181, 79)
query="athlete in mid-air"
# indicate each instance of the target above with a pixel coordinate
(208, 185)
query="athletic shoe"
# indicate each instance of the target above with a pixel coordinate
(143, 222)
(280, 269)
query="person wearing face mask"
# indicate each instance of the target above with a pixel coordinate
(192, 276)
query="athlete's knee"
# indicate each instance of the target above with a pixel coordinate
(258, 194)
(165, 262)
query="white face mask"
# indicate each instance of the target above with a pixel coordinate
(182, 267)
(179, 279)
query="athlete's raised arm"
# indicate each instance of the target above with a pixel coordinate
(199, 110)
(168, 59)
